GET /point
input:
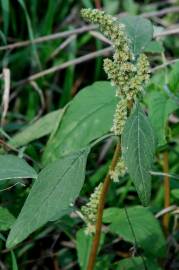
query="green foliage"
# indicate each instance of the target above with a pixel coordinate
(5, 10)
(160, 107)
(77, 118)
(84, 242)
(14, 261)
(56, 187)
(144, 232)
(154, 47)
(88, 117)
(138, 145)
(137, 263)
(6, 219)
(42, 127)
(139, 31)
(14, 167)
(173, 78)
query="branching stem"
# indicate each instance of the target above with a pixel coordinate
(96, 239)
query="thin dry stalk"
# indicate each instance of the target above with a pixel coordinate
(6, 93)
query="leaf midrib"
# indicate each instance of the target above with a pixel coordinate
(54, 187)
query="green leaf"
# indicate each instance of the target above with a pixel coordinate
(173, 78)
(138, 146)
(88, 117)
(104, 262)
(14, 167)
(14, 261)
(84, 243)
(130, 6)
(6, 219)
(175, 193)
(38, 129)
(144, 225)
(5, 12)
(154, 47)
(111, 6)
(56, 188)
(137, 263)
(28, 20)
(139, 31)
(159, 108)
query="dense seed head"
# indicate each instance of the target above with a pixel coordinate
(126, 73)
(89, 210)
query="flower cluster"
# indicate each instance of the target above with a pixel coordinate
(125, 72)
(112, 30)
(119, 171)
(89, 210)
(120, 117)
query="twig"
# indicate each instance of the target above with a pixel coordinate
(100, 37)
(5, 99)
(161, 3)
(96, 239)
(166, 210)
(164, 65)
(174, 176)
(166, 190)
(167, 32)
(43, 39)
(8, 188)
(61, 47)
(70, 265)
(161, 12)
(76, 61)
(80, 30)
(10, 147)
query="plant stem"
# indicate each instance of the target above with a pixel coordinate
(166, 190)
(96, 239)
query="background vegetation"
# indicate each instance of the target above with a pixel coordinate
(47, 63)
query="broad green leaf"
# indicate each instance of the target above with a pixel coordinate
(38, 129)
(55, 189)
(14, 167)
(159, 108)
(137, 263)
(139, 31)
(144, 225)
(6, 219)
(138, 146)
(84, 243)
(154, 47)
(88, 117)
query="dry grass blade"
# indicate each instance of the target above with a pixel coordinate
(76, 61)
(6, 93)
(48, 38)
(61, 47)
